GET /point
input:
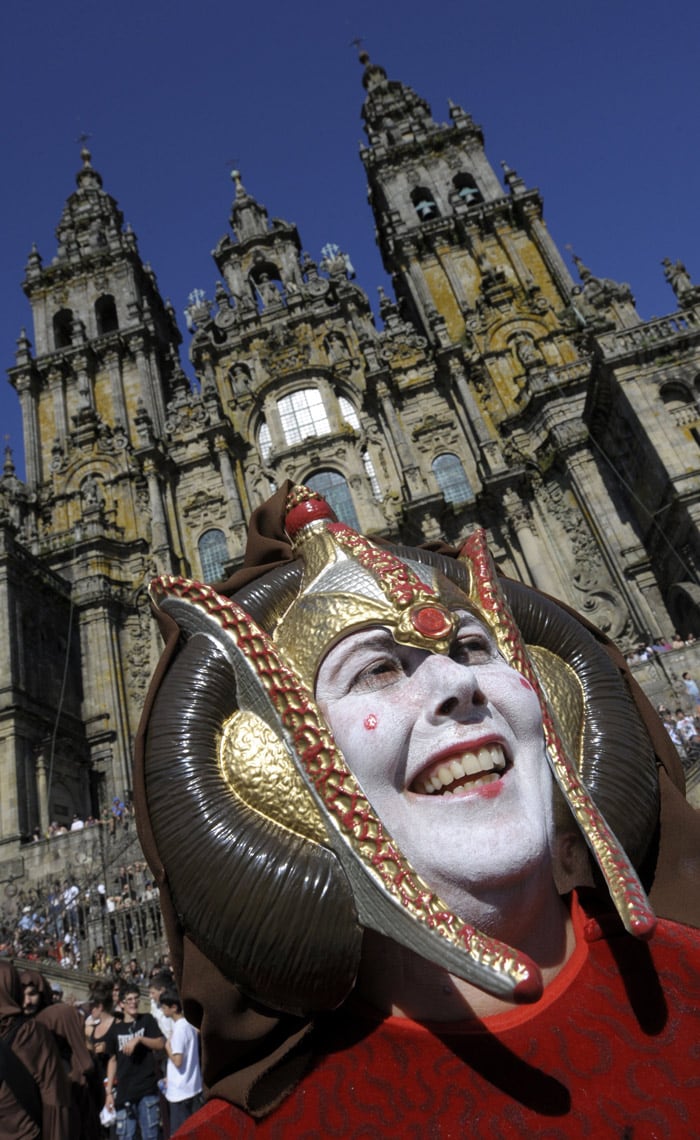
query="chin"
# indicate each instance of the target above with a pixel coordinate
(471, 886)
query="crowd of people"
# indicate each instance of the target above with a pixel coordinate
(659, 645)
(684, 729)
(115, 817)
(51, 923)
(683, 722)
(100, 1068)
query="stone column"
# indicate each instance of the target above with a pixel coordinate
(113, 365)
(271, 416)
(150, 392)
(159, 526)
(504, 234)
(106, 706)
(42, 791)
(489, 448)
(550, 253)
(407, 461)
(228, 479)
(421, 292)
(521, 520)
(30, 426)
(448, 267)
(58, 394)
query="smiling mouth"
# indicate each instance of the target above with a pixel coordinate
(462, 772)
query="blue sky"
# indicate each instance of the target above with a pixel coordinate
(596, 104)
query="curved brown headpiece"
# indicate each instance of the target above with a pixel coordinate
(265, 901)
(263, 894)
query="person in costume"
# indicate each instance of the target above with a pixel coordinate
(367, 882)
(35, 1099)
(67, 1028)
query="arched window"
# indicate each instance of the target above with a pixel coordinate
(452, 479)
(467, 189)
(425, 204)
(371, 474)
(302, 414)
(106, 314)
(348, 413)
(264, 442)
(213, 555)
(336, 492)
(680, 405)
(63, 328)
(675, 396)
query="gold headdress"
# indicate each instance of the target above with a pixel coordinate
(302, 863)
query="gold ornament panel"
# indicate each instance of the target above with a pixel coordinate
(260, 772)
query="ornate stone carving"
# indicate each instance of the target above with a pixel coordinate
(519, 512)
(600, 601)
(285, 351)
(137, 638)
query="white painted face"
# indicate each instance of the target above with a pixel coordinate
(450, 753)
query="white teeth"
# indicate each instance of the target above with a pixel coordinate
(470, 763)
(489, 760)
(485, 759)
(487, 778)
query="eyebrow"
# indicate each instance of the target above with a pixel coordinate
(379, 638)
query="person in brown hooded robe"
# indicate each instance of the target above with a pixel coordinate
(68, 1029)
(33, 1045)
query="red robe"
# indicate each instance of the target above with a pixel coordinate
(612, 1049)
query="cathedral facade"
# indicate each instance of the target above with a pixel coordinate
(498, 391)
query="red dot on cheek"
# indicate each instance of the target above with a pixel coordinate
(370, 721)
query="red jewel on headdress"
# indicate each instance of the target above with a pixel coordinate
(431, 621)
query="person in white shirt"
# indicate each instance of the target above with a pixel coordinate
(157, 986)
(184, 1076)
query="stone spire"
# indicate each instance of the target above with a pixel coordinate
(602, 295)
(91, 223)
(392, 111)
(248, 217)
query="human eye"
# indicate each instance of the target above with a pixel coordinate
(474, 647)
(377, 674)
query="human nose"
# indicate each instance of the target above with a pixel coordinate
(453, 689)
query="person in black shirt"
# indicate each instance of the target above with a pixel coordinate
(131, 1045)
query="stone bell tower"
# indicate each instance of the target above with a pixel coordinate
(104, 366)
(478, 274)
(93, 515)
